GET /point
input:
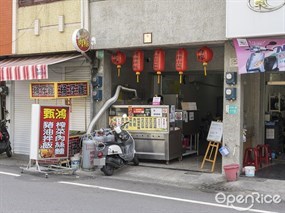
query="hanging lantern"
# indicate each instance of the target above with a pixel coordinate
(118, 59)
(204, 55)
(158, 63)
(181, 62)
(138, 62)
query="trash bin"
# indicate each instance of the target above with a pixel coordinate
(231, 171)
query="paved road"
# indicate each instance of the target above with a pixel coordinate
(33, 193)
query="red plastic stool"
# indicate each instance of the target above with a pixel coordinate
(251, 158)
(264, 153)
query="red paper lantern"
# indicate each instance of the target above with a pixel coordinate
(158, 63)
(204, 55)
(138, 62)
(181, 62)
(118, 59)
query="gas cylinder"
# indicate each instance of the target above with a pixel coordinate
(88, 153)
(110, 138)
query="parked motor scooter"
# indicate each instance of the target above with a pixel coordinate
(257, 62)
(5, 145)
(113, 154)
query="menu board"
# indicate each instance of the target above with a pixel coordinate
(53, 132)
(72, 89)
(43, 90)
(215, 132)
(141, 123)
(65, 89)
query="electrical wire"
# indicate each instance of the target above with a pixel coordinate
(73, 70)
(29, 26)
(25, 31)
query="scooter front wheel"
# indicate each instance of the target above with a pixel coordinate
(108, 170)
(9, 151)
(136, 161)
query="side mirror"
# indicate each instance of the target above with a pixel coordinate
(272, 43)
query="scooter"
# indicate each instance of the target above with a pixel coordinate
(114, 153)
(257, 62)
(5, 145)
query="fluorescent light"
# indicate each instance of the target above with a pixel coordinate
(276, 83)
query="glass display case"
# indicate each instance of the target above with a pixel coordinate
(153, 129)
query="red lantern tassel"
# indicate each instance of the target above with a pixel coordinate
(119, 70)
(138, 77)
(180, 77)
(205, 68)
(158, 77)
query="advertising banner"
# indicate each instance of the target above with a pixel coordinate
(53, 132)
(260, 55)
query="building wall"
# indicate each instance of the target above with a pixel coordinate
(171, 22)
(49, 38)
(5, 27)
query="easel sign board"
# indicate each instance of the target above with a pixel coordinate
(49, 132)
(215, 132)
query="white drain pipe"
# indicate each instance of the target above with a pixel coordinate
(107, 104)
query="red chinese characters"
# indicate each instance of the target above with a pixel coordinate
(204, 55)
(181, 62)
(118, 59)
(158, 63)
(138, 62)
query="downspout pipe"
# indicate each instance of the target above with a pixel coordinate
(107, 104)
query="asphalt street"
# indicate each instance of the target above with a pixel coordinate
(33, 193)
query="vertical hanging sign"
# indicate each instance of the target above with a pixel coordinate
(53, 132)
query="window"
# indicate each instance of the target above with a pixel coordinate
(23, 3)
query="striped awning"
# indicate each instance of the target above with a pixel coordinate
(30, 68)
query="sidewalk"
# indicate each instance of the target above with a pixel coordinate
(146, 172)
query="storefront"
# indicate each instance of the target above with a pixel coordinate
(262, 59)
(20, 72)
(259, 51)
(191, 105)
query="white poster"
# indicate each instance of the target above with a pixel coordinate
(215, 132)
(185, 116)
(191, 116)
(156, 112)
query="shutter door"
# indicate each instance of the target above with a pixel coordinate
(22, 113)
(80, 115)
(80, 107)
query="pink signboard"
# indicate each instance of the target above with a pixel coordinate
(260, 55)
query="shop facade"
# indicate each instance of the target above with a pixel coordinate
(191, 25)
(244, 96)
(261, 86)
(41, 52)
(19, 101)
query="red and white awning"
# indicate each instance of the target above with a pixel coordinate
(30, 68)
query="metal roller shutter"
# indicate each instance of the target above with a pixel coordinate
(80, 109)
(80, 115)
(22, 113)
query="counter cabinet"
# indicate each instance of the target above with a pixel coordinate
(155, 137)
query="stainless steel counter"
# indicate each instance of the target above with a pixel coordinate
(158, 145)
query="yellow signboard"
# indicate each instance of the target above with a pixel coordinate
(63, 89)
(141, 123)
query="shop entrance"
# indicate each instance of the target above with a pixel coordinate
(268, 127)
(199, 99)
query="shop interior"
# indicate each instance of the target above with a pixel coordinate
(265, 123)
(205, 92)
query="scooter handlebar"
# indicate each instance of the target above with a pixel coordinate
(124, 124)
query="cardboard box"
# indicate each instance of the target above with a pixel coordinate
(188, 105)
